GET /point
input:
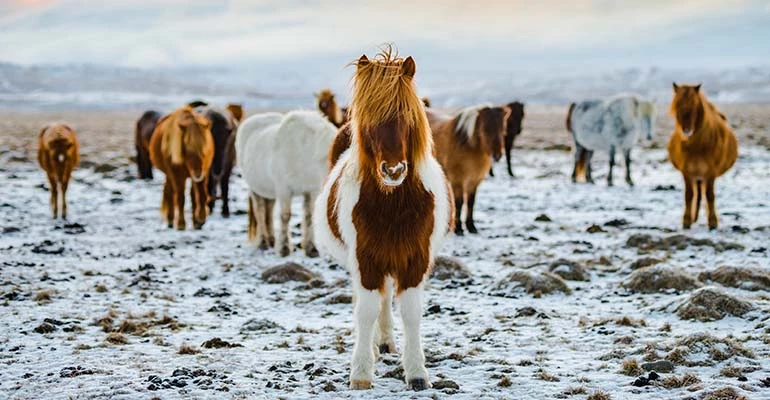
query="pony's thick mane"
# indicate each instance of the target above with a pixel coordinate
(465, 122)
(174, 141)
(383, 93)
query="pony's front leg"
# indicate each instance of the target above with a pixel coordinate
(508, 148)
(612, 164)
(200, 210)
(458, 192)
(365, 314)
(261, 215)
(688, 196)
(178, 184)
(385, 343)
(269, 231)
(53, 187)
(167, 205)
(627, 157)
(308, 244)
(413, 357)
(63, 194)
(251, 214)
(711, 204)
(589, 170)
(282, 244)
(469, 223)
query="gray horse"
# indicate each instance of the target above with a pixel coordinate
(610, 124)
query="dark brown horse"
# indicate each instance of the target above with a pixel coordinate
(327, 104)
(145, 125)
(513, 129)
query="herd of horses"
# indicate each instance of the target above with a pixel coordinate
(384, 181)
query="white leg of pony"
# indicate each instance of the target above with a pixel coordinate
(384, 342)
(365, 315)
(282, 244)
(308, 244)
(413, 358)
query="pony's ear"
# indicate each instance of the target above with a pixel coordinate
(676, 87)
(408, 68)
(697, 87)
(362, 61)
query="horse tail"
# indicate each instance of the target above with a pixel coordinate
(568, 122)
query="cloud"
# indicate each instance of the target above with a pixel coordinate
(176, 32)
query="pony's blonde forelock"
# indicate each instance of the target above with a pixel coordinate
(383, 93)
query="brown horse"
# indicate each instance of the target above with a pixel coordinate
(384, 210)
(235, 117)
(513, 129)
(425, 102)
(145, 125)
(466, 144)
(328, 107)
(58, 153)
(182, 147)
(702, 147)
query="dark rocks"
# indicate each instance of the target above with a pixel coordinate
(647, 242)
(206, 292)
(217, 343)
(446, 384)
(595, 229)
(341, 298)
(543, 218)
(569, 270)
(45, 327)
(659, 278)
(662, 366)
(447, 268)
(710, 304)
(47, 247)
(288, 272)
(616, 223)
(72, 372)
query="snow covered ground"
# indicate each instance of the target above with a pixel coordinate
(103, 305)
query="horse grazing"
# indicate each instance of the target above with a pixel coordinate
(145, 125)
(466, 144)
(58, 153)
(610, 124)
(328, 107)
(702, 147)
(384, 211)
(182, 147)
(282, 156)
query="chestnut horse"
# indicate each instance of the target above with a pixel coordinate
(329, 108)
(182, 147)
(702, 147)
(466, 144)
(58, 153)
(145, 125)
(384, 211)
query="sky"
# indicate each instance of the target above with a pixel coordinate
(447, 34)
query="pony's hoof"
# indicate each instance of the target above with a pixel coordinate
(197, 225)
(285, 251)
(472, 229)
(459, 232)
(418, 384)
(170, 225)
(686, 226)
(610, 184)
(312, 252)
(360, 385)
(630, 182)
(388, 348)
(181, 227)
(225, 214)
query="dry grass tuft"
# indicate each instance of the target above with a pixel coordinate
(505, 381)
(187, 349)
(116, 338)
(100, 288)
(631, 367)
(710, 304)
(573, 391)
(659, 278)
(44, 296)
(738, 277)
(599, 395)
(725, 393)
(673, 382)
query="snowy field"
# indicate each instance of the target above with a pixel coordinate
(111, 304)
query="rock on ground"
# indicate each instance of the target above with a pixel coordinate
(569, 270)
(709, 304)
(747, 278)
(446, 268)
(536, 284)
(660, 277)
(286, 272)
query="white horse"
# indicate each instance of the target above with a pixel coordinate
(608, 125)
(282, 156)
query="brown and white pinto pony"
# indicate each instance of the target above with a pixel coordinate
(466, 144)
(702, 147)
(58, 153)
(329, 108)
(145, 125)
(384, 211)
(182, 147)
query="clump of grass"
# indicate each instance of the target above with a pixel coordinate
(673, 382)
(187, 349)
(575, 391)
(735, 372)
(625, 340)
(107, 320)
(44, 296)
(505, 381)
(526, 363)
(545, 376)
(599, 395)
(100, 288)
(725, 393)
(628, 321)
(666, 327)
(116, 338)
(339, 344)
(631, 367)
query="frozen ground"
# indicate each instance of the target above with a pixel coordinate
(123, 294)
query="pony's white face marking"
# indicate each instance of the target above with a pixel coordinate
(62, 157)
(197, 179)
(395, 175)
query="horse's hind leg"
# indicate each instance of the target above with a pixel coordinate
(384, 336)
(458, 192)
(269, 231)
(589, 171)
(63, 194)
(282, 244)
(308, 244)
(251, 214)
(612, 164)
(469, 222)
(698, 191)
(260, 207)
(579, 167)
(688, 196)
(627, 157)
(167, 205)
(178, 184)
(508, 148)
(711, 202)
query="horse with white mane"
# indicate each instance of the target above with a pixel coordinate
(282, 156)
(610, 124)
